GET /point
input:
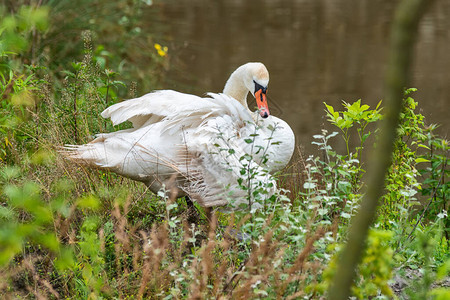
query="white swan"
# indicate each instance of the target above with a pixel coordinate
(215, 148)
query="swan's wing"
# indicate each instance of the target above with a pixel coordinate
(179, 109)
(198, 116)
(182, 109)
(153, 106)
(283, 144)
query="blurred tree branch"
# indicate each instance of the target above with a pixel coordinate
(403, 34)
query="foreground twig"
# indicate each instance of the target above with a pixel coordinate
(403, 34)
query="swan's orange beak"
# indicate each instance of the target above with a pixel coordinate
(261, 101)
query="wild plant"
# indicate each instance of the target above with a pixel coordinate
(333, 183)
(433, 167)
(426, 262)
(18, 84)
(248, 164)
(402, 210)
(90, 257)
(357, 116)
(402, 183)
(88, 90)
(374, 272)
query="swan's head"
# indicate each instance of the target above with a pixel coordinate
(256, 81)
(252, 77)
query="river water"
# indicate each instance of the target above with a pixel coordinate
(315, 51)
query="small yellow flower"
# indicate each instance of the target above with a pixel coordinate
(162, 51)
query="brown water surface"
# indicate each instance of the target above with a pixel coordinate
(315, 51)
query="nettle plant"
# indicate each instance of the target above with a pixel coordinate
(419, 164)
(434, 169)
(416, 184)
(402, 181)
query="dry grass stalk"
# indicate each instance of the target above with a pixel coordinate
(294, 175)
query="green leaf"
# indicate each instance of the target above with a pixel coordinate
(329, 108)
(378, 105)
(346, 215)
(309, 185)
(365, 136)
(89, 201)
(364, 107)
(48, 240)
(423, 146)
(172, 206)
(440, 293)
(65, 260)
(6, 213)
(420, 159)
(443, 270)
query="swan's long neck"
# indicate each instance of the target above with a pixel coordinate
(236, 88)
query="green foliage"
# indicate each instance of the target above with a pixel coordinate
(375, 269)
(402, 183)
(356, 115)
(124, 35)
(16, 32)
(27, 220)
(433, 167)
(334, 183)
(424, 247)
(415, 147)
(88, 91)
(17, 83)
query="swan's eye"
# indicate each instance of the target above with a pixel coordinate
(260, 87)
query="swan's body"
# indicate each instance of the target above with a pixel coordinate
(202, 143)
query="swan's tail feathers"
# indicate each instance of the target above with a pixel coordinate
(87, 154)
